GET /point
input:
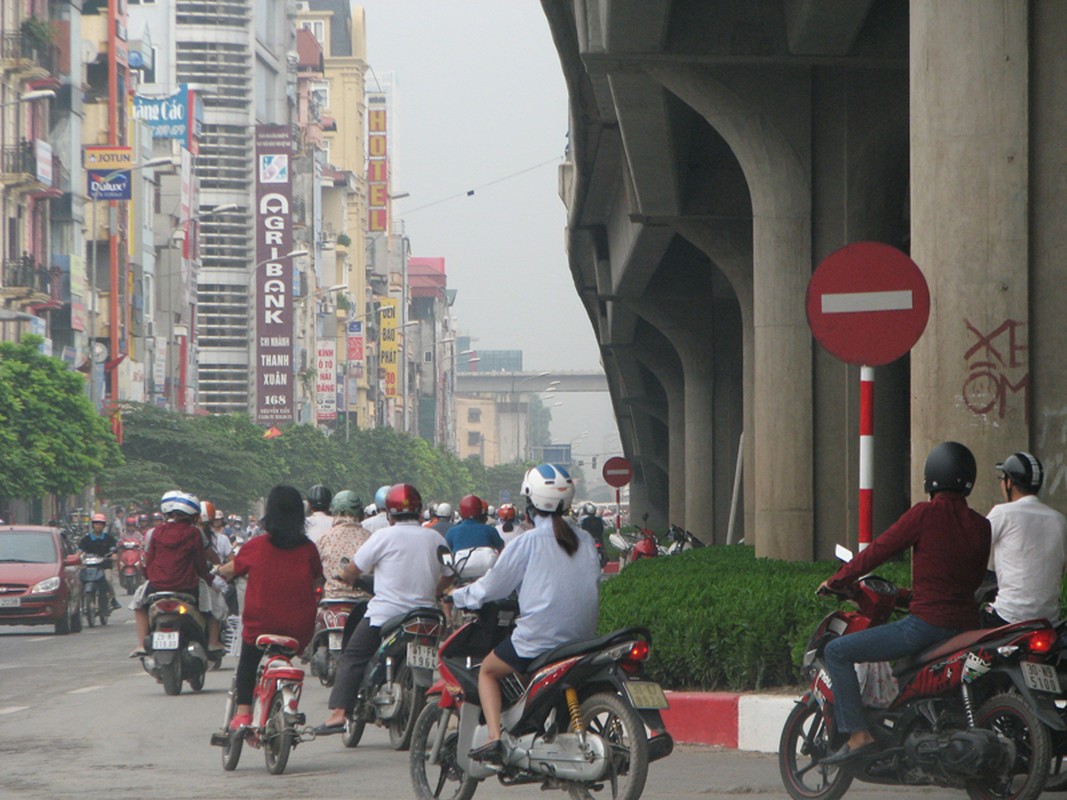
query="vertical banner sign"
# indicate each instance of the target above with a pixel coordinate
(326, 380)
(273, 365)
(390, 345)
(377, 165)
(355, 341)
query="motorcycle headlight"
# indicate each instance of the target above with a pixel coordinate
(47, 586)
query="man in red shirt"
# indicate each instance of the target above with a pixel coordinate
(950, 548)
(175, 560)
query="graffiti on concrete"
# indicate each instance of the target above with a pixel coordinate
(998, 380)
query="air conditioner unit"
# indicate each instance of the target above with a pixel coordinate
(302, 7)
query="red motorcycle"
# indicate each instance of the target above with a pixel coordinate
(584, 718)
(130, 556)
(631, 546)
(329, 639)
(969, 713)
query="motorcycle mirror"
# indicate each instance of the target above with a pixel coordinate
(444, 555)
(842, 553)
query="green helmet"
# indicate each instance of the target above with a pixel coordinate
(346, 503)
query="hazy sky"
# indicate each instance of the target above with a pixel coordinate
(482, 105)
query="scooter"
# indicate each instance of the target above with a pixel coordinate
(328, 640)
(96, 594)
(130, 568)
(633, 547)
(177, 642)
(584, 718)
(972, 713)
(681, 540)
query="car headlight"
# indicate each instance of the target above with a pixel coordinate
(47, 586)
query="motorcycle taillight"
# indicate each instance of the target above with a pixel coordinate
(1040, 641)
(423, 627)
(170, 607)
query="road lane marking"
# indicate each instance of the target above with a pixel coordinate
(85, 689)
(42, 639)
(12, 709)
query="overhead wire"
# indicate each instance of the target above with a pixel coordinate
(470, 192)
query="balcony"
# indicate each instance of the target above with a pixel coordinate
(28, 280)
(26, 56)
(18, 167)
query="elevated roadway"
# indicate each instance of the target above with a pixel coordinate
(529, 382)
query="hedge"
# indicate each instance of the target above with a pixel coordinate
(720, 618)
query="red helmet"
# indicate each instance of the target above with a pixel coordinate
(471, 507)
(99, 518)
(506, 513)
(403, 500)
(131, 521)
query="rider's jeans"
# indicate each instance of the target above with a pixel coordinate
(881, 643)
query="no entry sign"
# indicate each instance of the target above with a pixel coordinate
(868, 303)
(617, 471)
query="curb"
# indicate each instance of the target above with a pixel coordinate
(728, 719)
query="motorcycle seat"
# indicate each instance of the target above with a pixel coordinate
(960, 641)
(393, 623)
(341, 601)
(183, 596)
(268, 641)
(584, 646)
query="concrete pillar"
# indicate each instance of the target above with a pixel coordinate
(662, 361)
(970, 218)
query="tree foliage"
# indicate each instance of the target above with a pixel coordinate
(51, 438)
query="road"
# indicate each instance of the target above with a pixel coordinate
(79, 719)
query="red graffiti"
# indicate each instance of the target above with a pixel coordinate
(993, 376)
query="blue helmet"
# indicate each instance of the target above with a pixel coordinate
(379, 496)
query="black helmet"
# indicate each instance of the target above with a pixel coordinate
(950, 467)
(319, 498)
(1024, 470)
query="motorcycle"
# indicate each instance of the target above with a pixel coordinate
(130, 569)
(177, 642)
(969, 713)
(394, 686)
(584, 718)
(633, 547)
(681, 540)
(96, 594)
(329, 639)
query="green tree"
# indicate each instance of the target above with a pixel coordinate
(540, 422)
(51, 438)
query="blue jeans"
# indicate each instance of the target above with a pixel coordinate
(882, 643)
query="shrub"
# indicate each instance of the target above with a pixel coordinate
(720, 618)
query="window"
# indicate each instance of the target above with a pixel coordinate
(474, 415)
(474, 439)
(318, 30)
(320, 94)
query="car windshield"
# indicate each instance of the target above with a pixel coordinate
(28, 547)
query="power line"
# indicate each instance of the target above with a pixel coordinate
(470, 192)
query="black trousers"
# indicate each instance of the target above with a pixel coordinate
(247, 665)
(359, 649)
(990, 618)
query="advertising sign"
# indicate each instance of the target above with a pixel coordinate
(389, 355)
(355, 341)
(273, 365)
(167, 117)
(326, 380)
(43, 155)
(377, 164)
(108, 184)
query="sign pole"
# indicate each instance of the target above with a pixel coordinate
(866, 506)
(618, 509)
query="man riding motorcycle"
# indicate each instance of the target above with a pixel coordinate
(100, 543)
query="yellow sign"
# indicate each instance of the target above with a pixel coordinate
(105, 157)
(389, 346)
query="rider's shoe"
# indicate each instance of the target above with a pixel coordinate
(240, 721)
(115, 604)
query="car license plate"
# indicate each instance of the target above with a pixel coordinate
(646, 694)
(10, 602)
(421, 656)
(1041, 677)
(165, 640)
(335, 640)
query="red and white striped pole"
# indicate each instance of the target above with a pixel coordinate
(866, 520)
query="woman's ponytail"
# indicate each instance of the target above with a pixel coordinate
(564, 534)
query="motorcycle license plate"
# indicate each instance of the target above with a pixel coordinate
(1041, 677)
(646, 694)
(335, 641)
(10, 602)
(165, 640)
(421, 656)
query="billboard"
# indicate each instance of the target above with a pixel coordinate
(273, 347)
(389, 348)
(377, 164)
(326, 380)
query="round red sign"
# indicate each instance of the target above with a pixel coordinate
(618, 471)
(868, 303)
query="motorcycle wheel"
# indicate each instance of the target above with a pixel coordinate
(76, 620)
(805, 742)
(412, 699)
(231, 751)
(196, 680)
(1057, 773)
(445, 779)
(89, 608)
(103, 607)
(172, 676)
(329, 670)
(277, 737)
(353, 730)
(622, 730)
(1011, 717)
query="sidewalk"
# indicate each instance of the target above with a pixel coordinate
(728, 719)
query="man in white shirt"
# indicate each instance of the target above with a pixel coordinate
(407, 575)
(1029, 552)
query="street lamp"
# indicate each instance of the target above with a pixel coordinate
(520, 450)
(29, 97)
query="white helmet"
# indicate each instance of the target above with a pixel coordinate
(370, 510)
(181, 502)
(443, 510)
(548, 488)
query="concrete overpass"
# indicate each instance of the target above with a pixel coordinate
(529, 382)
(720, 150)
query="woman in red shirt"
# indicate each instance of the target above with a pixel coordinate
(283, 570)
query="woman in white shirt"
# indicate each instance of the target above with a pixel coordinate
(555, 568)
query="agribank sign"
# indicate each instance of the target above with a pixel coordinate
(273, 365)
